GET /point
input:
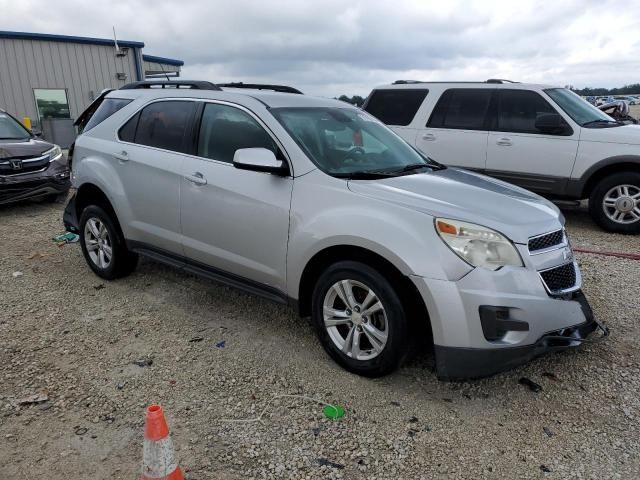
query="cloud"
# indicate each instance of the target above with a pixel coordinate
(330, 47)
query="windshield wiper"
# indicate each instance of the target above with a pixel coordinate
(600, 120)
(363, 175)
(410, 168)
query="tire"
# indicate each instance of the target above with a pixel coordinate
(611, 203)
(373, 357)
(101, 235)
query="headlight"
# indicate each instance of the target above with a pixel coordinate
(54, 154)
(477, 245)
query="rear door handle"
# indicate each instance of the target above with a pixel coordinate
(123, 156)
(197, 179)
(429, 137)
(504, 142)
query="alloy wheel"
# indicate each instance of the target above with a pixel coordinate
(622, 204)
(355, 319)
(98, 242)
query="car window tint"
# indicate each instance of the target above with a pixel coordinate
(461, 108)
(108, 107)
(164, 124)
(225, 129)
(518, 110)
(127, 132)
(395, 107)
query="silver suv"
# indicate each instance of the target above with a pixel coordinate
(311, 202)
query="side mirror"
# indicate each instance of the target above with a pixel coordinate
(552, 124)
(36, 133)
(259, 160)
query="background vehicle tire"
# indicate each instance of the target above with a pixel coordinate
(614, 203)
(103, 245)
(360, 319)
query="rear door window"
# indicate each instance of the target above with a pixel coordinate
(164, 125)
(518, 110)
(462, 108)
(395, 106)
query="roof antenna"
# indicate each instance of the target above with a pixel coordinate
(165, 73)
(115, 40)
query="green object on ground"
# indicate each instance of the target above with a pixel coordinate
(67, 237)
(333, 411)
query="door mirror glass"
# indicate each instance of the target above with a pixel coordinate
(552, 123)
(258, 160)
(36, 133)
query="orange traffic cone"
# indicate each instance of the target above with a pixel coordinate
(158, 459)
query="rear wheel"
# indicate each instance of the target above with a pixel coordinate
(615, 203)
(103, 245)
(360, 319)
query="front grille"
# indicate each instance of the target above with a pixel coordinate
(27, 165)
(560, 278)
(547, 240)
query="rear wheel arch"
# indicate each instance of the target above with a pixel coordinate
(91, 194)
(323, 259)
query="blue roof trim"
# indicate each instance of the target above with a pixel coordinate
(68, 38)
(166, 61)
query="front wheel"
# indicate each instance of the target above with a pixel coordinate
(360, 319)
(614, 203)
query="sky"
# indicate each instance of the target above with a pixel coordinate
(334, 47)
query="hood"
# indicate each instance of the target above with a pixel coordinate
(471, 197)
(23, 148)
(629, 134)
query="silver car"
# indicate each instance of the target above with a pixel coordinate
(314, 203)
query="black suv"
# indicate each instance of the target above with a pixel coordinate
(29, 167)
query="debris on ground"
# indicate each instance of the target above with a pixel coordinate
(196, 339)
(548, 431)
(325, 462)
(33, 399)
(80, 430)
(143, 362)
(545, 469)
(16, 274)
(65, 238)
(221, 344)
(533, 386)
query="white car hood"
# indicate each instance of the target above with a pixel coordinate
(471, 197)
(629, 134)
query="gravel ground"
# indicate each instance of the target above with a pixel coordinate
(74, 338)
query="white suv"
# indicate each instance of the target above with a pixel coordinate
(545, 139)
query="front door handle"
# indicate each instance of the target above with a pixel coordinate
(504, 142)
(429, 137)
(123, 156)
(197, 179)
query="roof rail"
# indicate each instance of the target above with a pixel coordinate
(194, 84)
(500, 80)
(405, 82)
(261, 86)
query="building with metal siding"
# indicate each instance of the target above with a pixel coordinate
(39, 72)
(161, 66)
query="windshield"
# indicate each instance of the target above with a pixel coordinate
(10, 129)
(581, 111)
(344, 142)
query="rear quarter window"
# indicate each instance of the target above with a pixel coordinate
(108, 107)
(396, 106)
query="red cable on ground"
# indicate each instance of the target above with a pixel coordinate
(630, 256)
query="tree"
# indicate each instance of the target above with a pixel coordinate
(356, 100)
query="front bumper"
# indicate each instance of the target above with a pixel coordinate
(53, 180)
(488, 322)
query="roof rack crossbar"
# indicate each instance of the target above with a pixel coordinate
(405, 82)
(500, 80)
(261, 86)
(194, 84)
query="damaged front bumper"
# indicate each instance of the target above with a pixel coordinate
(54, 180)
(459, 363)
